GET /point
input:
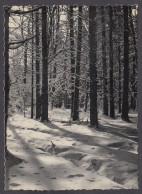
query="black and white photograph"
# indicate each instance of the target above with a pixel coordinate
(71, 108)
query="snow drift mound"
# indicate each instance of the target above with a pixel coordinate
(94, 165)
(120, 172)
(72, 155)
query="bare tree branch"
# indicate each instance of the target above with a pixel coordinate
(25, 12)
(16, 47)
(21, 41)
(56, 55)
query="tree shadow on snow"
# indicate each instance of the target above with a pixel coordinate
(89, 140)
(126, 132)
(47, 183)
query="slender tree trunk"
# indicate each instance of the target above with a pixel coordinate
(6, 58)
(32, 78)
(38, 100)
(125, 106)
(133, 85)
(25, 61)
(25, 74)
(64, 85)
(133, 32)
(133, 80)
(86, 102)
(87, 89)
(55, 44)
(72, 58)
(119, 79)
(93, 68)
(24, 106)
(78, 59)
(112, 112)
(105, 98)
(44, 115)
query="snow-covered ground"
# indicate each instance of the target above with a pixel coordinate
(83, 158)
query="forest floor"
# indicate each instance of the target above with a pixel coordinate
(83, 158)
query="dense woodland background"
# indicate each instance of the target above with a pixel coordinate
(74, 57)
(71, 77)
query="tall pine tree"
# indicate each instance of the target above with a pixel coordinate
(125, 104)
(77, 72)
(112, 112)
(44, 114)
(92, 65)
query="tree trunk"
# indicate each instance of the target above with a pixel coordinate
(55, 44)
(86, 102)
(44, 115)
(105, 98)
(38, 100)
(32, 78)
(25, 61)
(6, 59)
(112, 112)
(25, 74)
(125, 106)
(78, 59)
(133, 32)
(72, 57)
(93, 68)
(119, 79)
(133, 85)
(133, 79)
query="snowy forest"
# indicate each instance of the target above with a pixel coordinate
(71, 105)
